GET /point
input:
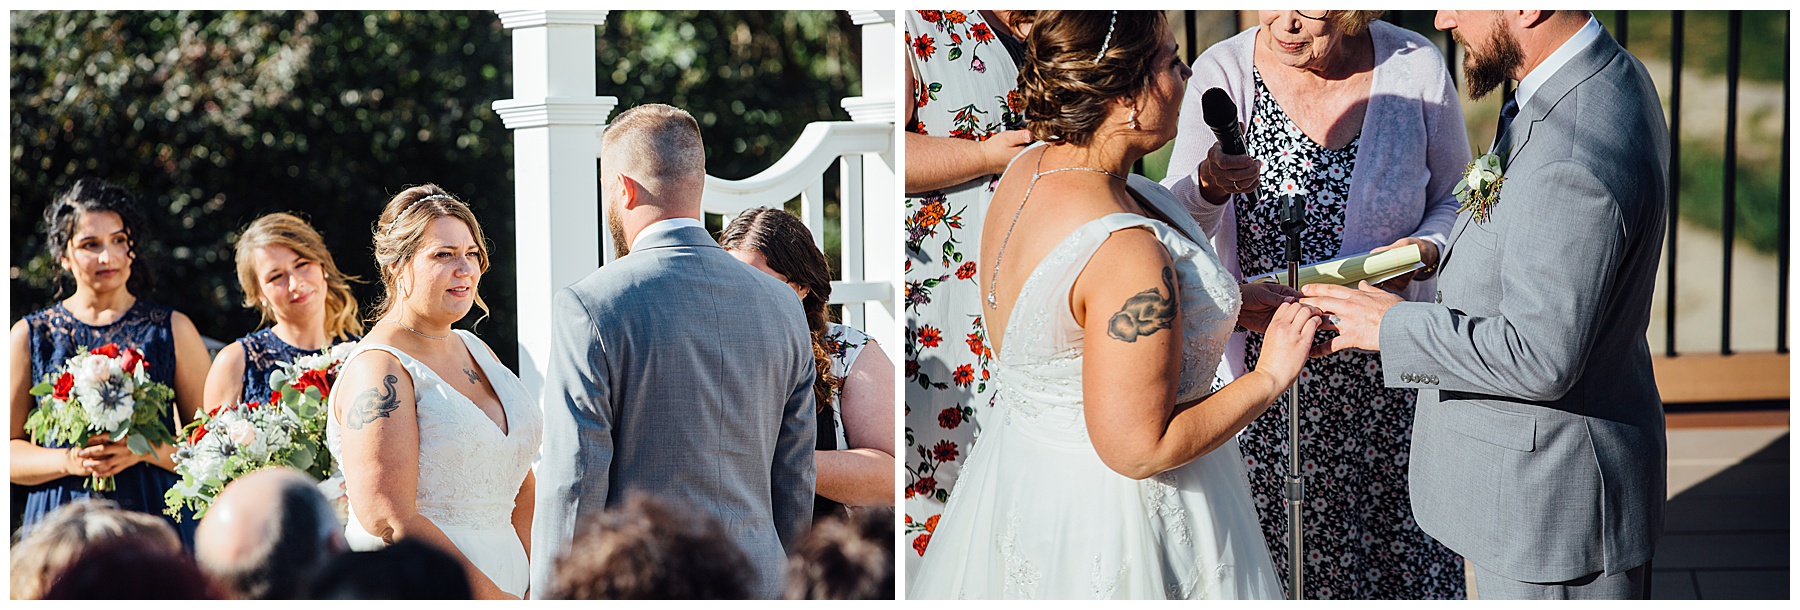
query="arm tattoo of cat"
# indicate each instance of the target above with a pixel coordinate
(1145, 313)
(473, 376)
(373, 404)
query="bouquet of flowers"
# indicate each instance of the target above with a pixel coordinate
(105, 390)
(302, 387)
(230, 441)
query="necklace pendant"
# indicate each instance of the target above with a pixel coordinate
(991, 303)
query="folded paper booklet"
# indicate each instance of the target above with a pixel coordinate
(1375, 268)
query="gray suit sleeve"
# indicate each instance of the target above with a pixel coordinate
(574, 465)
(1557, 271)
(793, 476)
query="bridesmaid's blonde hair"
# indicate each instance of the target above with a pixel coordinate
(289, 231)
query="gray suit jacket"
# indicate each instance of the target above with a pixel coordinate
(680, 371)
(1538, 448)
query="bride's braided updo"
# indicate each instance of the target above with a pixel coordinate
(1067, 81)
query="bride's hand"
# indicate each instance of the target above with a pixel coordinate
(1287, 342)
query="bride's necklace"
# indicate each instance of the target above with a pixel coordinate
(416, 331)
(1035, 175)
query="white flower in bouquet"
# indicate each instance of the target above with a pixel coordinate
(104, 391)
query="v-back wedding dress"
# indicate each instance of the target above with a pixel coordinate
(1037, 515)
(469, 470)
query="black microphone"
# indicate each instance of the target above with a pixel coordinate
(1221, 115)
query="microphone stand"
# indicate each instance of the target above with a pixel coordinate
(1293, 221)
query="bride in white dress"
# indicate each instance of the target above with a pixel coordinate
(1106, 469)
(434, 435)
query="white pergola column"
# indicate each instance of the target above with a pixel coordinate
(877, 224)
(555, 117)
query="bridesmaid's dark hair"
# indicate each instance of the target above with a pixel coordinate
(93, 195)
(787, 247)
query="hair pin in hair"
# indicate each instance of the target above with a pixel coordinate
(1107, 42)
(409, 207)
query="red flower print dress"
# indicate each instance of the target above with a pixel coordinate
(965, 79)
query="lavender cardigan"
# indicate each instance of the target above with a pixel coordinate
(1413, 150)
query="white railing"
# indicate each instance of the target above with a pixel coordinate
(801, 172)
(557, 119)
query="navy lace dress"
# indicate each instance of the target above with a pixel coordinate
(264, 352)
(55, 334)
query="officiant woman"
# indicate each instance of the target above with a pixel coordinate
(1360, 119)
(95, 232)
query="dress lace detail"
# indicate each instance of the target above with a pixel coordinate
(469, 470)
(1036, 514)
(1021, 576)
(1105, 587)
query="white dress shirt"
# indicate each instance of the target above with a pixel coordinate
(665, 226)
(1575, 44)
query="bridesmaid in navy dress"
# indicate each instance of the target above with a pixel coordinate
(94, 229)
(287, 275)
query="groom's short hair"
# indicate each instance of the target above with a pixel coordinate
(659, 146)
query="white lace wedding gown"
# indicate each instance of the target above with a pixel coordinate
(1037, 515)
(469, 471)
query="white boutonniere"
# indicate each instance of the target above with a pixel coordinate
(1480, 186)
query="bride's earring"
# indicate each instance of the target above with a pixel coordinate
(1131, 121)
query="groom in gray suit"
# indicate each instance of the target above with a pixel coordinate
(676, 370)
(1538, 448)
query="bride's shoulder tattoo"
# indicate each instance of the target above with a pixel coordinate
(373, 404)
(1146, 312)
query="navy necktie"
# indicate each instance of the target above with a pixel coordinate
(1508, 112)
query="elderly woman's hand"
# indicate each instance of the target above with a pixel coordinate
(1260, 300)
(1222, 175)
(1428, 253)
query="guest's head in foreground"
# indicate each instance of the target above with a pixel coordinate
(647, 548)
(848, 557)
(1102, 77)
(290, 278)
(432, 254)
(407, 569)
(94, 230)
(132, 568)
(267, 534)
(41, 557)
(652, 168)
(779, 244)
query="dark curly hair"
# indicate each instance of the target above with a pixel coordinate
(94, 195)
(787, 247)
(1065, 89)
(847, 557)
(648, 548)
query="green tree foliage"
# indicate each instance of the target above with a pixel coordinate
(215, 118)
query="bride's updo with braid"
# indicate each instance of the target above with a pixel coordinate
(1068, 82)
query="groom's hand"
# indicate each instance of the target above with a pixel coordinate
(1355, 313)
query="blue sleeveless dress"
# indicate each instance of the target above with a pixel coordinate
(55, 334)
(263, 353)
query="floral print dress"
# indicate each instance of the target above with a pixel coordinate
(965, 78)
(1355, 433)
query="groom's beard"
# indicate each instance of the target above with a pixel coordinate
(615, 224)
(1486, 70)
